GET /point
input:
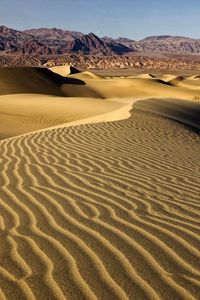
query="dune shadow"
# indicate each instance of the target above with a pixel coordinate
(164, 82)
(182, 111)
(176, 80)
(34, 80)
(58, 78)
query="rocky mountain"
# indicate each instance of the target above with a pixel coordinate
(124, 41)
(56, 41)
(55, 46)
(167, 44)
(54, 33)
(161, 44)
(10, 39)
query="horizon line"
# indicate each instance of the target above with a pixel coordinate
(109, 36)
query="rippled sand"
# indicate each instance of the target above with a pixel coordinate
(105, 210)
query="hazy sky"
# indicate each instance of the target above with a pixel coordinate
(128, 18)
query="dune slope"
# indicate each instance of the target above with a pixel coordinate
(101, 211)
(187, 112)
(37, 98)
(64, 70)
(30, 80)
(144, 86)
(24, 113)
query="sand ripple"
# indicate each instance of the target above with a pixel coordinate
(101, 211)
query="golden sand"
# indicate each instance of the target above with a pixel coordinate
(104, 203)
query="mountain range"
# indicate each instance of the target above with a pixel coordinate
(55, 41)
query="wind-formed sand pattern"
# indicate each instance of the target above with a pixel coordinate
(106, 210)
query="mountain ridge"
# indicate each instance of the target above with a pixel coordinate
(53, 46)
(54, 41)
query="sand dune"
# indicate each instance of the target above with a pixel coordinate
(144, 76)
(87, 75)
(64, 70)
(189, 83)
(137, 87)
(101, 211)
(36, 98)
(29, 112)
(76, 97)
(196, 77)
(187, 112)
(34, 80)
(98, 203)
(167, 77)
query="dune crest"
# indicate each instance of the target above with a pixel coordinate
(64, 70)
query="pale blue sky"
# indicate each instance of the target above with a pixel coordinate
(128, 18)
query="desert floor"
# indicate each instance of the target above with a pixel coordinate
(100, 185)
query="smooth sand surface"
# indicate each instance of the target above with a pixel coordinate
(34, 98)
(138, 87)
(24, 113)
(100, 202)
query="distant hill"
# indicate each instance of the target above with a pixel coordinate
(45, 41)
(51, 47)
(167, 44)
(54, 33)
(56, 41)
(161, 44)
